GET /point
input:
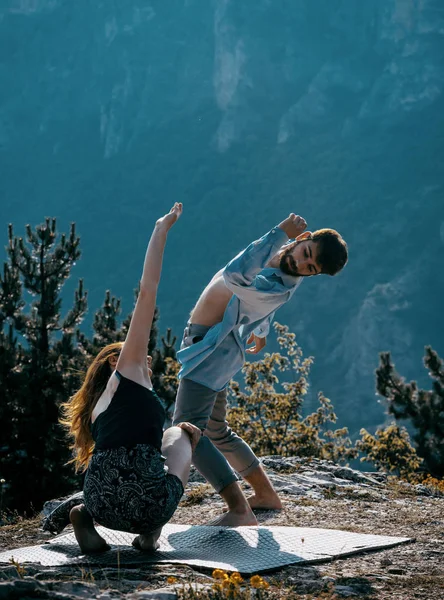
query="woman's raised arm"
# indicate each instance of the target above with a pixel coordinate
(132, 361)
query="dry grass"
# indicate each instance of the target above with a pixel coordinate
(196, 495)
(24, 532)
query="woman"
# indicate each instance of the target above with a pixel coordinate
(135, 473)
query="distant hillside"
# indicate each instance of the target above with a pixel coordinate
(109, 112)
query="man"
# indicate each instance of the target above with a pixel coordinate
(234, 310)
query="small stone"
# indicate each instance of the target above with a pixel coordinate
(310, 586)
(345, 590)
(76, 588)
(423, 490)
(396, 571)
(8, 572)
(20, 589)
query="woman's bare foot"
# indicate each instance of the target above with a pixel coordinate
(86, 534)
(233, 518)
(147, 542)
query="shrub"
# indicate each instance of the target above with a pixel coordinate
(268, 414)
(390, 450)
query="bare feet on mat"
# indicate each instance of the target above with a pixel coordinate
(235, 519)
(147, 542)
(86, 534)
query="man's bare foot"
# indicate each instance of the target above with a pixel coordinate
(271, 502)
(263, 503)
(235, 519)
(147, 542)
(86, 534)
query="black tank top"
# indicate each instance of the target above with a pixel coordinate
(134, 416)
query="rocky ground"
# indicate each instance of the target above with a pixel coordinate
(315, 494)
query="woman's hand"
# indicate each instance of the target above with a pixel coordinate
(193, 431)
(133, 354)
(170, 218)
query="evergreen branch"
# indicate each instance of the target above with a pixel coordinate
(80, 306)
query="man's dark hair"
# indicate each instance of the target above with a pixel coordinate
(332, 253)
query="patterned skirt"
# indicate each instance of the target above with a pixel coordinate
(130, 489)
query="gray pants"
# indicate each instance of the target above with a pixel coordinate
(207, 409)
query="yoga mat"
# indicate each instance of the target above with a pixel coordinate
(243, 549)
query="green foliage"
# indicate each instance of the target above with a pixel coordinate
(424, 409)
(390, 450)
(39, 373)
(43, 357)
(268, 414)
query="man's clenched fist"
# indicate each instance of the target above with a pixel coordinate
(293, 225)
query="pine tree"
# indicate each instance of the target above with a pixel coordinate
(10, 376)
(424, 409)
(164, 364)
(41, 371)
(105, 326)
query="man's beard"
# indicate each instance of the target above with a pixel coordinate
(287, 264)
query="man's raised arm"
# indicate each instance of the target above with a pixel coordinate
(241, 271)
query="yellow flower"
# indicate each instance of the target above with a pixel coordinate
(256, 581)
(171, 580)
(236, 578)
(219, 574)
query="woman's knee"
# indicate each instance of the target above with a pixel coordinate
(174, 436)
(176, 447)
